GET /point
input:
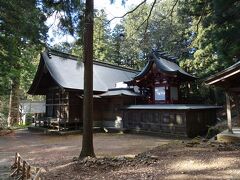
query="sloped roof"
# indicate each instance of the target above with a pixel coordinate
(164, 66)
(68, 73)
(220, 78)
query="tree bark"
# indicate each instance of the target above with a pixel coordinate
(87, 140)
(14, 102)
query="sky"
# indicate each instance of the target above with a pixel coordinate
(112, 10)
(116, 9)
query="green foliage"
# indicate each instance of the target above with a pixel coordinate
(212, 131)
(3, 111)
(101, 36)
(70, 15)
(100, 42)
(163, 30)
(22, 34)
(215, 28)
(22, 26)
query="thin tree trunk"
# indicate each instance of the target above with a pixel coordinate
(14, 101)
(87, 141)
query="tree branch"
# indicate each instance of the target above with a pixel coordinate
(199, 20)
(201, 17)
(171, 12)
(149, 15)
(129, 12)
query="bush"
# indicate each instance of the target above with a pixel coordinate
(3, 122)
(212, 131)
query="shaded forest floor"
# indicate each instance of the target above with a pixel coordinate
(194, 159)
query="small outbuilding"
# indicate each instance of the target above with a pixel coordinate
(229, 80)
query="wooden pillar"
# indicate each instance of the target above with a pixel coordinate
(229, 116)
(237, 104)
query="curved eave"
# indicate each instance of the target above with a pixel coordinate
(145, 70)
(172, 68)
(165, 67)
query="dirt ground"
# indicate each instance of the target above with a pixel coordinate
(49, 151)
(179, 160)
(124, 156)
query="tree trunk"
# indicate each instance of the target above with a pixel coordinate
(14, 102)
(87, 141)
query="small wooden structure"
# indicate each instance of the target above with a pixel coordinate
(160, 80)
(228, 79)
(22, 170)
(163, 112)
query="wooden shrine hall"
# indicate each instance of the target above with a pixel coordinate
(60, 79)
(159, 83)
(146, 101)
(228, 79)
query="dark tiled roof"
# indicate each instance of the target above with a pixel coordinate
(68, 73)
(165, 65)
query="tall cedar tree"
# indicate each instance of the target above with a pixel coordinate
(87, 143)
(72, 22)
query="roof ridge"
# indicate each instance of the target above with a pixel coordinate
(74, 57)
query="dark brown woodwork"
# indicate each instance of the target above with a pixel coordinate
(157, 79)
(189, 123)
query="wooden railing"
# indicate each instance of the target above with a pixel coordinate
(22, 170)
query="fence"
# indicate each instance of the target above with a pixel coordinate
(22, 170)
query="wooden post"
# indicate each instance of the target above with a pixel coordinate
(58, 119)
(28, 171)
(38, 171)
(18, 164)
(24, 170)
(15, 161)
(229, 116)
(236, 101)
